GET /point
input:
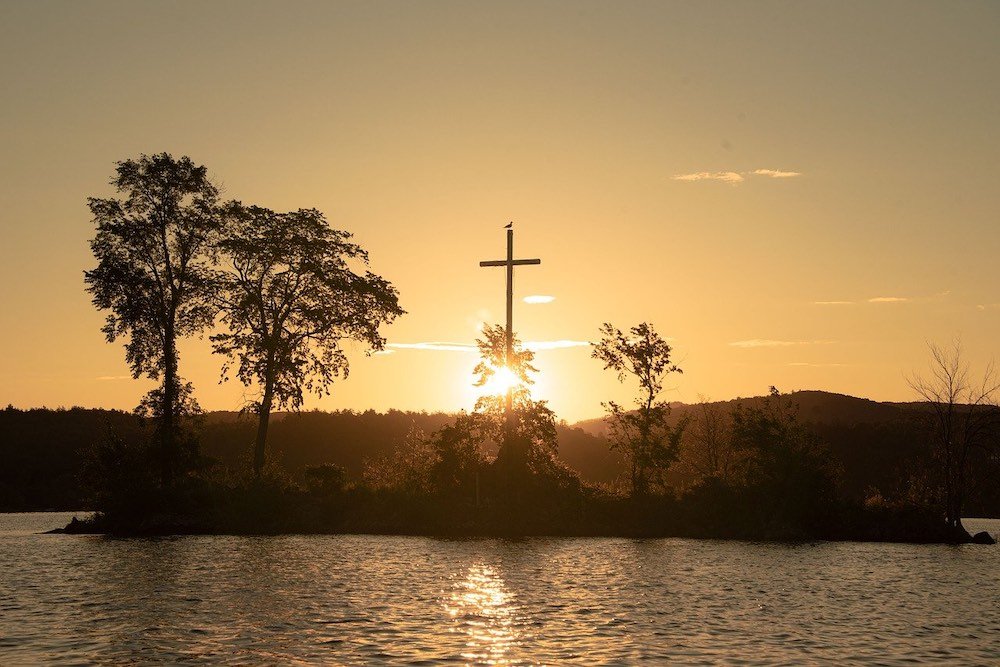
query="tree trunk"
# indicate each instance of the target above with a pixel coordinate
(168, 444)
(638, 488)
(263, 416)
(641, 451)
(512, 458)
(958, 496)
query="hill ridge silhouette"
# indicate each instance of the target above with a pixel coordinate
(814, 405)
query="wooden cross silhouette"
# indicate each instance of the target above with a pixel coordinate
(510, 263)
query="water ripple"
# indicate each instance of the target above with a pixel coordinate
(420, 601)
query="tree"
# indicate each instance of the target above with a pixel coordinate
(964, 419)
(643, 435)
(528, 433)
(776, 445)
(289, 298)
(706, 448)
(154, 273)
(788, 480)
(407, 468)
(458, 456)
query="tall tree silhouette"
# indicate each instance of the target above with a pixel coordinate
(289, 299)
(965, 418)
(643, 434)
(154, 273)
(528, 434)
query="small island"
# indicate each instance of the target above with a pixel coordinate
(280, 294)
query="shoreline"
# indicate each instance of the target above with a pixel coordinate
(87, 527)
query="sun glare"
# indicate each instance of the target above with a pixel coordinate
(498, 384)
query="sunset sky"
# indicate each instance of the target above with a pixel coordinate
(798, 194)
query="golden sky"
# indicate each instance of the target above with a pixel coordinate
(798, 193)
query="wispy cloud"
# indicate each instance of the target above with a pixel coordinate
(533, 345)
(776, 173)
(724, 176)
(766, 342)
(886, 299)
(106, 378)
(536, 345)
(988, 306)
(539, 298)
(435, 346)
(734, 177)
(815, 365)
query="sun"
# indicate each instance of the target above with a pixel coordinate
(498, 384)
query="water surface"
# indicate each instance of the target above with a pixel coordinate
(409, 600)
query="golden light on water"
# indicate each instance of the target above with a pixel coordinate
(481, 607)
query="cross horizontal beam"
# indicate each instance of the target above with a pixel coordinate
(513, 262)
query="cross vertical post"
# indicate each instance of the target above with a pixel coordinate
(510, 316)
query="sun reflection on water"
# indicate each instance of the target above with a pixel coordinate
(481, 607)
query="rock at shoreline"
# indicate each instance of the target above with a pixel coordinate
(74, 527)
(983, 537)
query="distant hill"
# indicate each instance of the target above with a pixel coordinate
(875, 444)
(819, 407)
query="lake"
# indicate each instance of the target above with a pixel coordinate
(357, 599)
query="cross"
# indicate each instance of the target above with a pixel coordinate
(510, 263)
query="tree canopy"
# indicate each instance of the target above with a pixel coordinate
(289, 297)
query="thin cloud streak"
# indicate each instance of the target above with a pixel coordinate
(435, 346)
(766, 342)
(810, 364)
(734, 177)
(724, 176)
(537, 345)
(776, 173)
(885, 299)
(533, 345)
(109, 378)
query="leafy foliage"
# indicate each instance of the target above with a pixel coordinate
(185, 421)
(493, 359)
(154, 248)
(326, 479)
(288, 299)
(528, 439)
(406, 468)
(643, 434)
(458, 456)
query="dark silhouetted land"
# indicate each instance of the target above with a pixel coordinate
(325, 478)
